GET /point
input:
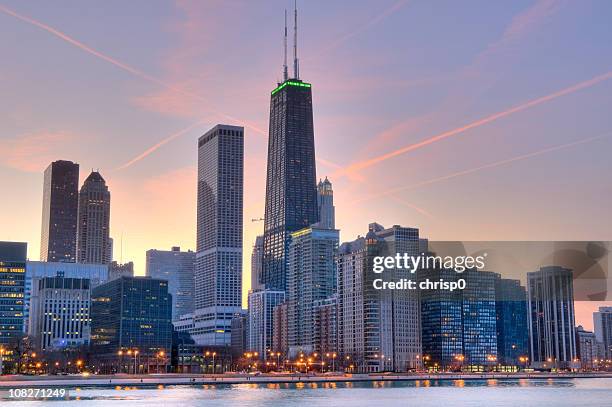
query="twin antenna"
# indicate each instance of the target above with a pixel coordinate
(296, 67)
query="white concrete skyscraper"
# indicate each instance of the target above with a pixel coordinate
(218, 270)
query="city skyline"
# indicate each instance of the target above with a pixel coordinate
(356, 140)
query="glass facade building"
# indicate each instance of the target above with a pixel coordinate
(131, 313)
(291, 189)
(459, 328)
(512, 330)
(177, 268)
(442, 322)
(59, 213)
(218, 267)
(12, 290)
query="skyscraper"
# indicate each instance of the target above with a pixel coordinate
(586, 348)
(442, 321)
(291, 194)
(93, 240)
(311, 277)
(261, 317)
(12, 291)
(257, 264)
(459, 327)
(59, 214)
(602, 321)
(325, 202)
(479, 319)
(218, 270)
(378, 329)
(552, 336)
(177, 268)
(512, 331)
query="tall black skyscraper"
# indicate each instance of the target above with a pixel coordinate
(291, 189)
(59, 215)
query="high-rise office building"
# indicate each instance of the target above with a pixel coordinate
(325, 202)
(602, 321)
(129, 314)
(512, 331)
(240, 333)
(177, 268)
(291, 194)
(261, 316)
(59, 312)
(257, 264)
(311, 277)
(378, 329)
(459, 328)
(586, 348)
(552, 336)
(479, 319)
(96, 274)
(218, 270)
(59, 213)
(93, 240)
(116, 270)
(442, 322)
(12, 290)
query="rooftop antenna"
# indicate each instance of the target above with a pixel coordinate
(285, 70)
(296, 68)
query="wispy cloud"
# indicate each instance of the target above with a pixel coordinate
(124, 66)
(486, 120)
(33, 152)
(393, 191)
(363, 27)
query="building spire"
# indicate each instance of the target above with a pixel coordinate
(296, 68)
(285, 70)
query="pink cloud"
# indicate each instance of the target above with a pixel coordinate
(33, 152)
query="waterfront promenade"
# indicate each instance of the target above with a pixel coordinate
(14, 381)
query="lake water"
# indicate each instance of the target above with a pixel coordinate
(451, 393)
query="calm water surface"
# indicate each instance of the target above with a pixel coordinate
(455, 393)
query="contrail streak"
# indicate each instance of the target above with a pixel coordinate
(142, 75)
(158, 145)
(482, 167)
(384, 14)
(579, 86)
(122, 65)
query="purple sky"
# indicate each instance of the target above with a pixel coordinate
(471, 120)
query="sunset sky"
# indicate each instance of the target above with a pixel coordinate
(472, 120)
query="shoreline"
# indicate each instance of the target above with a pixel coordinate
(170, 379)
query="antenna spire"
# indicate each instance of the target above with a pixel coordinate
(296, 67)
(285, 70)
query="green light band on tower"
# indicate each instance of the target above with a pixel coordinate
(291, 83)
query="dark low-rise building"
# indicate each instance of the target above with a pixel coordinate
(131, 324)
